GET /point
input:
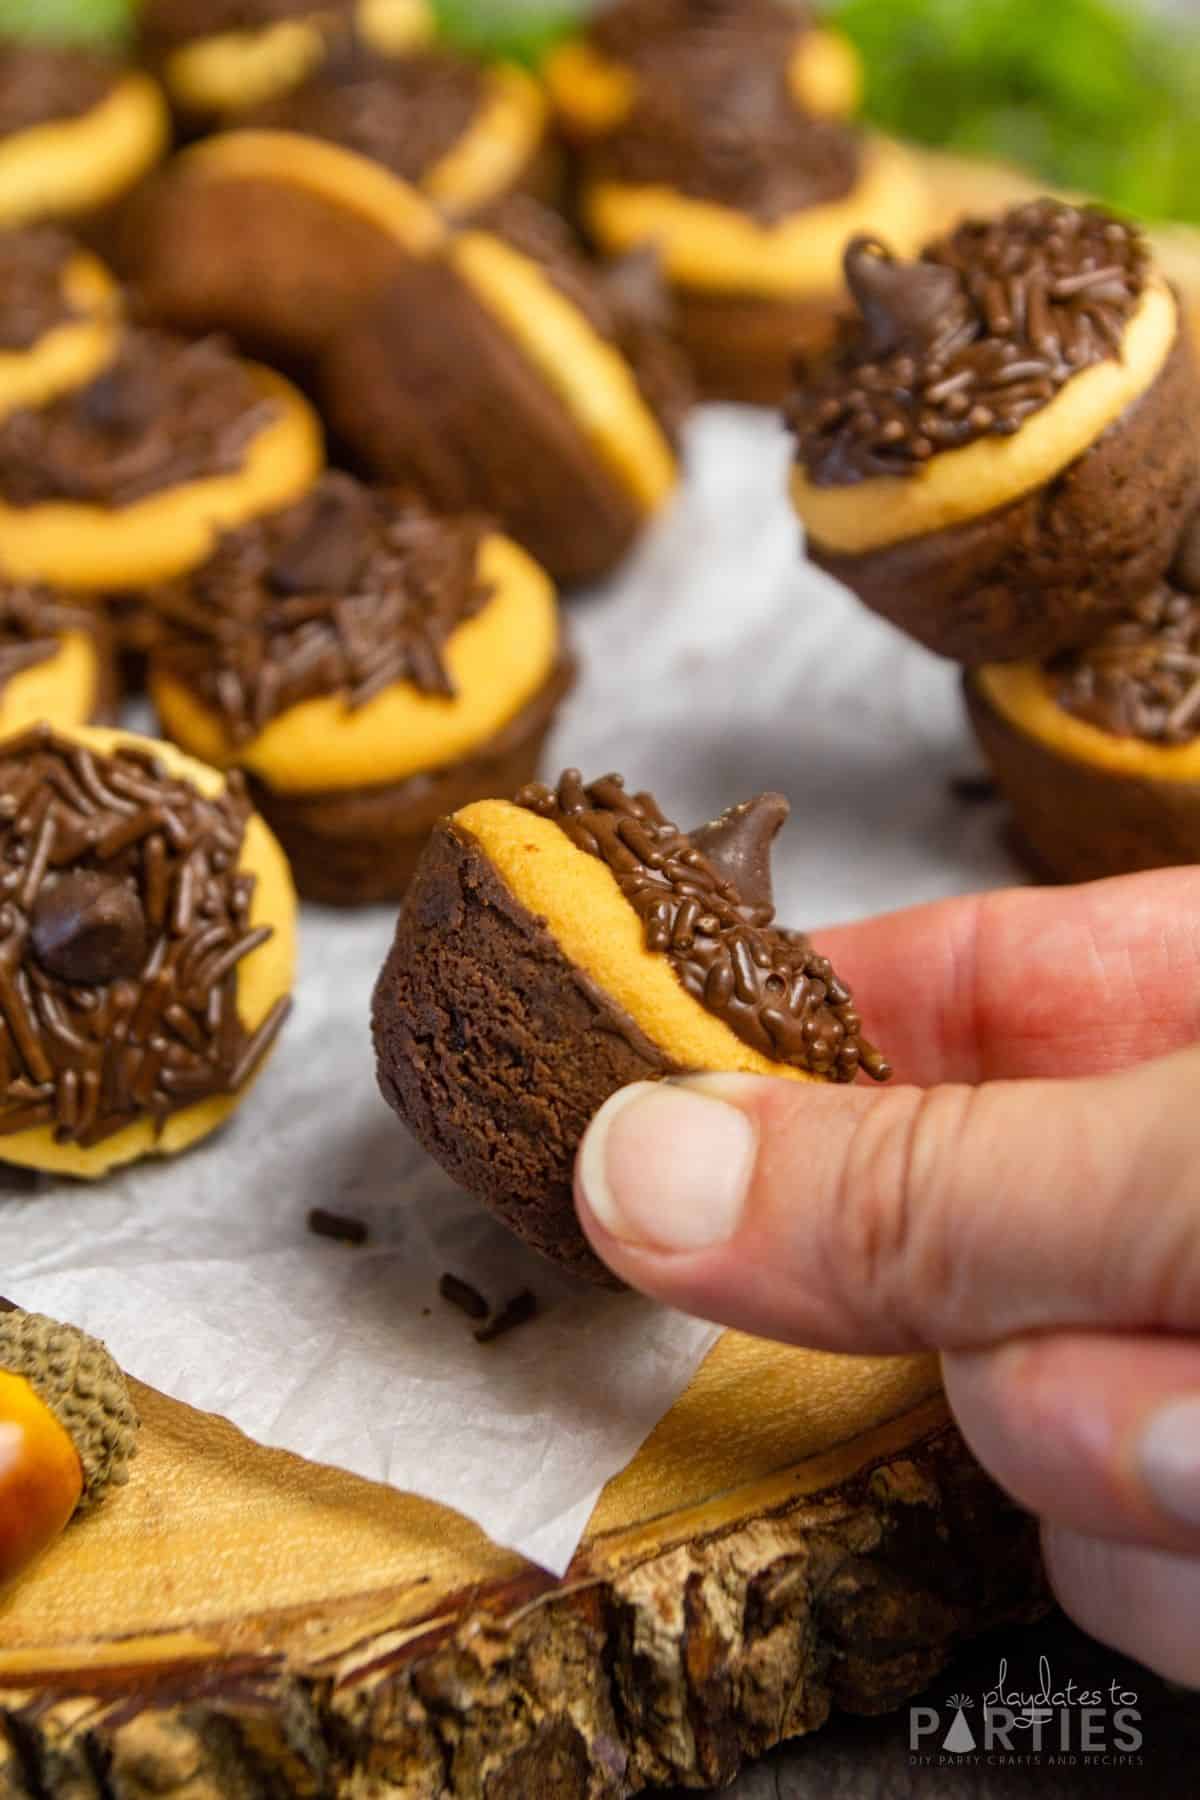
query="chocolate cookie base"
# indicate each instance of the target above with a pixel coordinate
(1076, 821)
(1048, 571)
(745, 348)
(428, 390)
(361, 846)
(495, 1050)
(280, 268)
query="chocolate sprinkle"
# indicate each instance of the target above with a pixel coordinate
(41, 83)
(167, 412)
(457, 1292)
(346, 593)
(767, 984)
(518, 1311)
(405, 112)
(123, 921)
(32, 623)
(984, 330)
(165, 24)
(33, 263)
(633, 30)
(338, 1226)
(715, 118)
(1141, 678)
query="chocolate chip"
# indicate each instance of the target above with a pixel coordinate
(89, 927)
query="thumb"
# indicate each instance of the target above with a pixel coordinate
(945, 1218)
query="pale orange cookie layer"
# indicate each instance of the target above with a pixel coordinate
(94, 548)
(715, 249)
(497, 662)
(71, 354)
(993, 471)
(75, 166)
(596, 929)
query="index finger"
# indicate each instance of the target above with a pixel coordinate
(1029, 981)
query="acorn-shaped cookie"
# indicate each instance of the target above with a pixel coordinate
(507, 376)
(68, 1430)
(1002, 449)
(216, 58)
(1097, 751)
(55, 660)
(147, 945)
(747, 197)
(77, 132)
(370, 667)
(60, 316)
(595, 79)
(556, 948)
(128, 478)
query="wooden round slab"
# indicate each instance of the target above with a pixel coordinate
(800, 1532)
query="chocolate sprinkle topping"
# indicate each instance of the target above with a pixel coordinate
(767, 984)
(405, 112)
(40, 83)
(1141, 679)
(346, 593)
(719, 124)
(966, 343)
(32, 623)
(123, 922)
(166, 412)
(165, 24)
(32, 303)
(633, 30)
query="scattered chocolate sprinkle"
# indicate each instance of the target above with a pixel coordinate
(973, 790)
(165, 24)
(40, 83)
(1141, 678)
(32, 622)
(460, 1293)
(348, 592)
(112, 1003)
(32, 303)
(405, 112)
(167, 412)
(768, 985)
(966, 343)
(518, 1311)
(339, 1226)
(715, 117)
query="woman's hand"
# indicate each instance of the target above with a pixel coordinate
(1043, 1233)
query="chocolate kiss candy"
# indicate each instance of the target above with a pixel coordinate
(738, 845)
(903, 304)
(326, 556)
(1185, 570)
(89, 927)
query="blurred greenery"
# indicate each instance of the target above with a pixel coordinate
(1091, 93)
(71, 21)
(1098, 95)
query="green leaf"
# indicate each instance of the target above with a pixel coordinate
(67, 21)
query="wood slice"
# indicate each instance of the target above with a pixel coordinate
(800, 1532)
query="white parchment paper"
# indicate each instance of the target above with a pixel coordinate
(716, 666)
